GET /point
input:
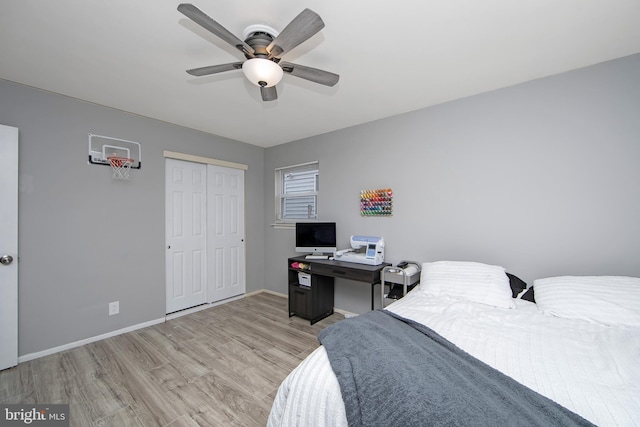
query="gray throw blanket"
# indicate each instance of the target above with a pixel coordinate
(396, 372)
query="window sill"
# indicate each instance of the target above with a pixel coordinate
(284, 225)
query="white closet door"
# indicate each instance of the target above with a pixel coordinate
(226, 232)
(8, 246)
(186, 234)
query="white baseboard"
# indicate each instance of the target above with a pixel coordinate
(82, 342)
(267, 291)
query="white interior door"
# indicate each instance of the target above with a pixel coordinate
(8, 246)
(186, 234)
(225, 238)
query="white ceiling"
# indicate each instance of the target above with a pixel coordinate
(392, 56)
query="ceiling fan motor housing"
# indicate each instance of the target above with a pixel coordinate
(259, 41)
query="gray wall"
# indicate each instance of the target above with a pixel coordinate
(86, 240)
(541, 178)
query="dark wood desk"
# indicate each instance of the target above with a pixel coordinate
(316, 302)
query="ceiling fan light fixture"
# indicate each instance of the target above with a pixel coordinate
(262, 72)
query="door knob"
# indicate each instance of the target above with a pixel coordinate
(6, 259)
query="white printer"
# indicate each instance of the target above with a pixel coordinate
(364, 250)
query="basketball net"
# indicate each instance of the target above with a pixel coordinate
(121, 167)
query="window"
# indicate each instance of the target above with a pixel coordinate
(297, 192)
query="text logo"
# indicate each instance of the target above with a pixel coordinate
(34, 415)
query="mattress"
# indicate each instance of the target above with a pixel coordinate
(588, 368)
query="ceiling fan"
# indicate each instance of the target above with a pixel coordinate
(264, 47)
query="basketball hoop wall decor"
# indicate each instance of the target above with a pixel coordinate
(122, 155)
(376, 202)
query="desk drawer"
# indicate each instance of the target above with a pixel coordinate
(300, 301)
(346, 273)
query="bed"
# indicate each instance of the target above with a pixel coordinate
(574, 353)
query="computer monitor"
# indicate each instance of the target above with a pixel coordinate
(316, 237)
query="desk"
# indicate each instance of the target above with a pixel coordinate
(316, 302)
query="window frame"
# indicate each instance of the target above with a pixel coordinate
(280, 195)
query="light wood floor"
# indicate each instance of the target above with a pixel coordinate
(218, 367)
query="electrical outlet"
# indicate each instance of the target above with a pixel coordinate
(114, 308)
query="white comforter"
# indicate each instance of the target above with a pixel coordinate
(591, 369)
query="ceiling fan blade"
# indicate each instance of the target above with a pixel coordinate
(214, 69)
(202, 19)
(308, 73)
(268, 93)
(303, 26)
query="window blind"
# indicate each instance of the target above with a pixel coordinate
(298, 196)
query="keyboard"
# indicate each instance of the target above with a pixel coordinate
(317, 257)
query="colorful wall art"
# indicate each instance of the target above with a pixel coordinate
(376, 202)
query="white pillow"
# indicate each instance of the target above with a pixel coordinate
(471, 281)
(610, 300)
